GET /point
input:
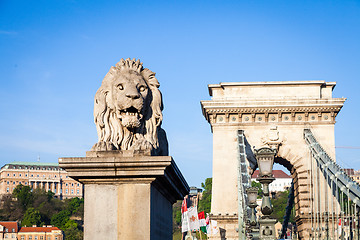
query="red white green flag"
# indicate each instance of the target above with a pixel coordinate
(185, 223)
(202, 222)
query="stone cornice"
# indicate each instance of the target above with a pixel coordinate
(110, 168)
(294, 110)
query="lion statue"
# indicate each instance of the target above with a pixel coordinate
(128, 110)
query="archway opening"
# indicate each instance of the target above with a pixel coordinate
(281, 190)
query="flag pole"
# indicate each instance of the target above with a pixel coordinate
(200, 234)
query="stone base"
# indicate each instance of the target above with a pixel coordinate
(127, 195)
(267, 229)
(227, 225)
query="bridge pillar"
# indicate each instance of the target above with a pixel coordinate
(270, 114)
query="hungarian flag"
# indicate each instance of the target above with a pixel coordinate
(185, 224)
(202, 222)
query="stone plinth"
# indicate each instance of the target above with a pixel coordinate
(127, 195)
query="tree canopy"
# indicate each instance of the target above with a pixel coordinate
(38, 207)
(31, 217)
(205, 201)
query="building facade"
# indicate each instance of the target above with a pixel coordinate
(194, 196)
(40, 233)
(9, 230)
(48, 176)
(281, 183)
(12, 231)
(354, 174)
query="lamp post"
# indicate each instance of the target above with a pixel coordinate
(252, 193)
(265, 160)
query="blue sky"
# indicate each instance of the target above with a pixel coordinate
(54, 55)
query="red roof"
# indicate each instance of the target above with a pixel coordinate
(38, 229)
(10, 226)
(276, 174)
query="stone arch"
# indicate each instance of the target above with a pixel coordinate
(300, 174)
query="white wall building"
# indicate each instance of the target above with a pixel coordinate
(281, 183)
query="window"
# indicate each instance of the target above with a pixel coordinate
(22, 237)
(66, 184)
(20, 182)
(7, 189)
(20, 175)
(13, 230)
(38, 175)
(25, 175)
(78, 184)
(30, 237)
(55, 175)
(77, 191)
(14, 174)
(6, 230)
(36, 237)
(56, 238)
(8, 174)
(41, 237)
(72, 184)
(32, 175)
(43, 175)
(8, 182)
(72, 191)
(67, 176)
(14, 182)
(66, 191)
(25, 183)
(49, 238)
(6, 236)
(13, 236)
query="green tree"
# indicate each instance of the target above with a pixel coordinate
(205, 202)
(72, 231)
(177, 215)
(32, 217)
(23, 195)
(75, 204)
(279, 206)
(60, 219)
(7, 208)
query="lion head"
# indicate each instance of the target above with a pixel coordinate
(128, 110)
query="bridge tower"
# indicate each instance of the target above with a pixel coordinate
(271, 114)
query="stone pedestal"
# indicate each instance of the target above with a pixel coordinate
(267, 229)
(128, 195)
(227, 226)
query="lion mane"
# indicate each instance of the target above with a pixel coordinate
(128, 110)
